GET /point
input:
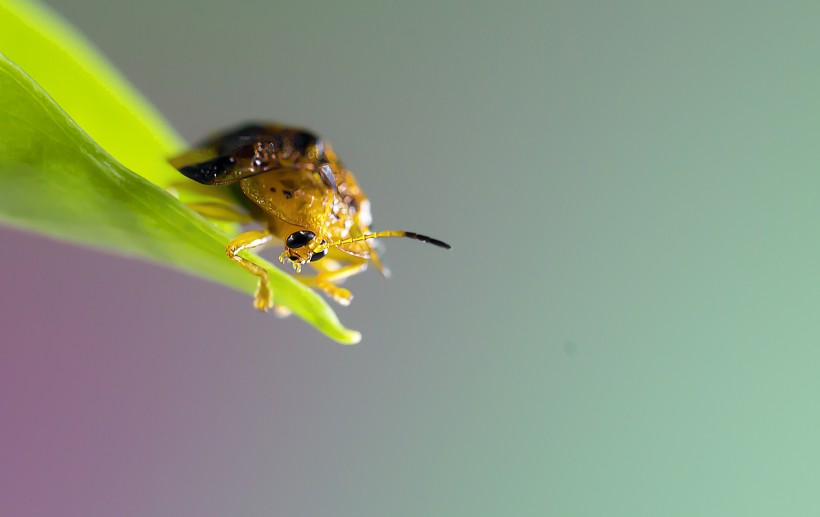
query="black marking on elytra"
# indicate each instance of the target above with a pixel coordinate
(273, 189)
(239, 137)
(210, 172)
(275, 142)
(245, 151)
(302, 141)
(429, 240)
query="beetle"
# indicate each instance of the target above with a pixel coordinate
(293, 184)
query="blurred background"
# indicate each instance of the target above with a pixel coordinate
(627, 324)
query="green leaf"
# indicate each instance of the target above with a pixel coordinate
(57, 180)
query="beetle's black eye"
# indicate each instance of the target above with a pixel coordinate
(319, 255)
(299, 239)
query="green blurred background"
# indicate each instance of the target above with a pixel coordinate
(627, 324)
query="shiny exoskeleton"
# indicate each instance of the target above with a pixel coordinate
(301, 193)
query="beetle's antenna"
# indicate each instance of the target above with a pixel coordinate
(383, 235)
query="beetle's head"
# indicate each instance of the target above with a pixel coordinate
(299, 248)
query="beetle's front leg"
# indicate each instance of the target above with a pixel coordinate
(326, 280)
(263, 298)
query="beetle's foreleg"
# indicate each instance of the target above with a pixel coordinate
(209, 202)
(263, 299)
(221, 212)
(326, 280)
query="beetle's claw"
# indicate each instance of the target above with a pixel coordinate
(263, 298)
(342, 296)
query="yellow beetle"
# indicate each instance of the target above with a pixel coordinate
(292, 183)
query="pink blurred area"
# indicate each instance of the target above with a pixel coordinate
(128, 389)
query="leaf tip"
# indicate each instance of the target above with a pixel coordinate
(350, 337)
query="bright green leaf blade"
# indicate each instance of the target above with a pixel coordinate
(89, 89)
(54, 179)
(94, 94)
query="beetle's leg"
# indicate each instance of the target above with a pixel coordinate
(377, 261)
(263, 298)
(211, 202)
(221, 212)
(185, 187)
(326, 280)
